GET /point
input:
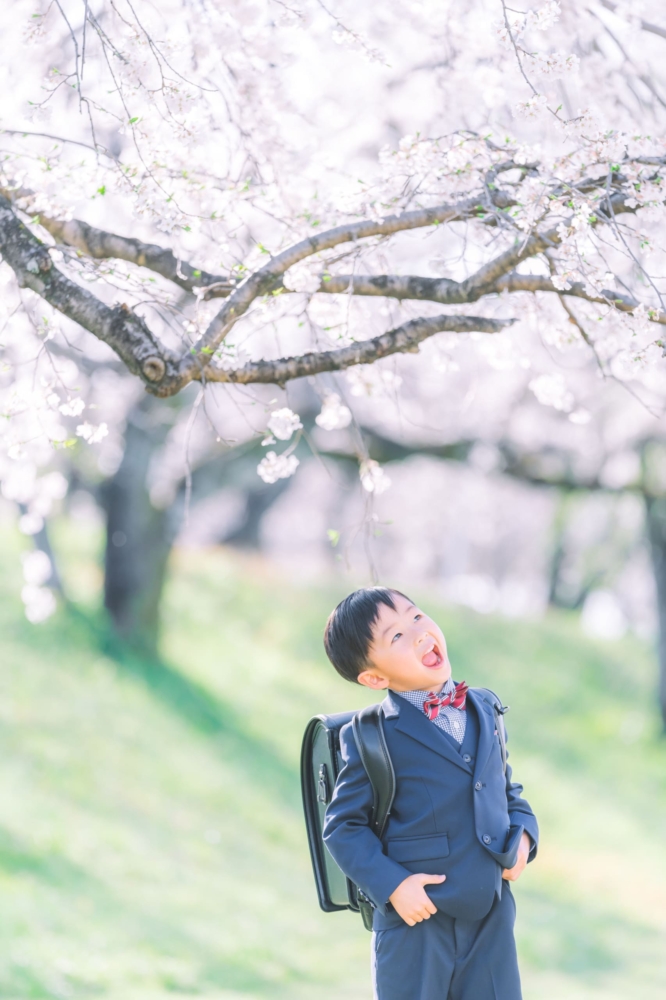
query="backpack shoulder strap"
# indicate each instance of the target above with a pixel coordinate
(499, 711)
(371, 743)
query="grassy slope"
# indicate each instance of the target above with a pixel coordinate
(151, 840)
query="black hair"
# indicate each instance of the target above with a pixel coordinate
(348, 632)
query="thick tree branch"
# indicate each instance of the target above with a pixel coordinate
(120, 328)
(266, 278)
(482, 280)
(448, 292)
(101, 245)
(395, 286)
(165, 373)
(403, 338)
(549, 466)
(538, 283)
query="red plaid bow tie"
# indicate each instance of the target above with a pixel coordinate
(456, 699)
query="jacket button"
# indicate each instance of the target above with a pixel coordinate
(466, 758)
(478, 786)
(486, 838)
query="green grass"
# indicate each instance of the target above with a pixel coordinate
(151, 839)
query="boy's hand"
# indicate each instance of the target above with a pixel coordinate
(411, 900)
(511, 874)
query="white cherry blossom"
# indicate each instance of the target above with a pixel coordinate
(39, 602)
(334, 414)
(273, 467)
(92, 434)
(283, 423)
(545, 17)
(373, 477)
(535, 107)
(30, 523)
(73, 407)
(37, 567)
(551, 390)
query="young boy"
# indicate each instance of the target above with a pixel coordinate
(459, 831)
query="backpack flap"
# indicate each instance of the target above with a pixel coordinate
(320, 764)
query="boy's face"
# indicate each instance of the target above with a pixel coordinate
(408, 651)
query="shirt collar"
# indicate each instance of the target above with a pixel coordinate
(418, 697)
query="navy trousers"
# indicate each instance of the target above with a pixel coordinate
(447, 959)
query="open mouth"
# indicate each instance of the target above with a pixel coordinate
(433, 658)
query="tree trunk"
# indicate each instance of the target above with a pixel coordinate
(138, 537)
(656, 527)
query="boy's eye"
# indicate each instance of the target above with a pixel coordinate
(416, 617)
(396, 636)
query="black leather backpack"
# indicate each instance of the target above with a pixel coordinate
(320, 765)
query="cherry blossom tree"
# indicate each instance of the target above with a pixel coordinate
(180, 206)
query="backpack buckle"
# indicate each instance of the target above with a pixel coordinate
(322, 785)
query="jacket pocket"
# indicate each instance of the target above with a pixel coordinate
(418, 848)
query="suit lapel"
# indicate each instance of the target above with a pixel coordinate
(416, 724)
(486, 730)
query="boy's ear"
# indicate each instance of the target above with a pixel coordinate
(369, 679)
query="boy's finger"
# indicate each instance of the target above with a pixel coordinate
(434, 879)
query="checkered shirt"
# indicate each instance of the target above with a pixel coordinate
(451, 720)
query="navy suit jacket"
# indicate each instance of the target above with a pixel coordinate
(455, 813)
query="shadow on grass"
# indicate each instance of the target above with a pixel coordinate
(161, 935)
(50, 867)
(198, 707)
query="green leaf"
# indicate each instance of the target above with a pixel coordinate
(132, 120)
(102, 189)
(333, 536)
